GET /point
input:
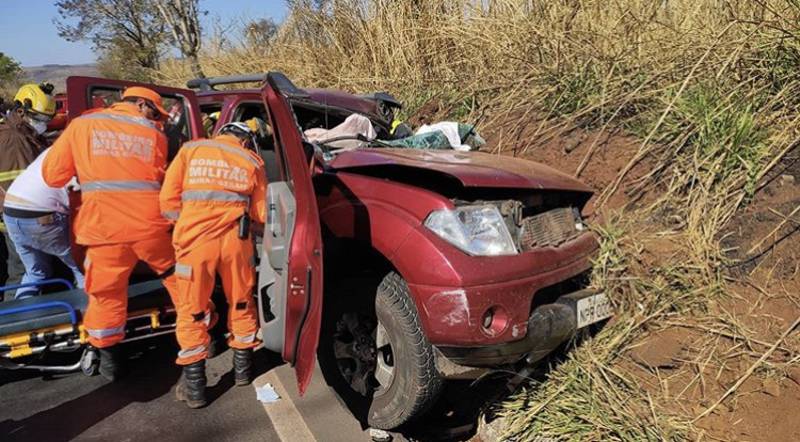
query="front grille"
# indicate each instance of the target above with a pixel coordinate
(548, 229)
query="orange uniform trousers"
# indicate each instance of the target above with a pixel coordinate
(108, 267)
(196, 270)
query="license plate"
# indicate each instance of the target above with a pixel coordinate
(593, 309)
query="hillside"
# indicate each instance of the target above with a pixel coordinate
(58, 73)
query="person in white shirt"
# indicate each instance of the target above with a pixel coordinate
(37, 219)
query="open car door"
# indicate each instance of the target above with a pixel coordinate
(184, 124)
(290, 274)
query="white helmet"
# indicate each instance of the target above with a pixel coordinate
(237, 126)
(240, 130)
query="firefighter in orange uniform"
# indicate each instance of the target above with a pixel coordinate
(119, 155)
(213, 188)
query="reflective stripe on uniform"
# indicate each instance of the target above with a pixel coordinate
(122, 118)
(10, 175)
(249, 339)
(171, 214)
(126, 185)
(183, 270)
(213, 195)
(192, 351)
(223, 146)
(100, 333)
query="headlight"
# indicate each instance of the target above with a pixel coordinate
(477, 230)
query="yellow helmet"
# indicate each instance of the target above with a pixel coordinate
(33, 98)
(259, 127)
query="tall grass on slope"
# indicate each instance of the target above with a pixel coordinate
(591, 396)
(710, 87)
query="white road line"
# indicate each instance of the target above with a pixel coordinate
(286, 419)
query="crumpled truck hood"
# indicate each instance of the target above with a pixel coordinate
(472, 169)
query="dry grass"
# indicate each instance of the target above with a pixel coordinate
(589, 397)
(709, 86)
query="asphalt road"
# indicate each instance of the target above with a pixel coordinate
(141, 407)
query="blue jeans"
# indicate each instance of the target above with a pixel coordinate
(14, 267)
(36, 244)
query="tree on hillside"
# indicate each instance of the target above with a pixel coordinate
(115, 62)
(128, 30)
(183, 19)
(259, 33)
(10, 70)
(11, 75)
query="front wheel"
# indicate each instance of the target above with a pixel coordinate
(384, 354)
(406, 368)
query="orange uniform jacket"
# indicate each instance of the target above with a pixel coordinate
(120, 159)
(210, 184)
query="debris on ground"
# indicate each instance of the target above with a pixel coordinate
(266, 394)
(379, 435)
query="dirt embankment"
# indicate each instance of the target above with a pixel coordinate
(763, 244)
(691, 361)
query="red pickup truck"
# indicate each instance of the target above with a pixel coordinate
(438, 264)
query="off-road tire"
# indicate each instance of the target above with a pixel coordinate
(416, 384)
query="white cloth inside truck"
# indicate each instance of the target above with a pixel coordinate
(354, 125)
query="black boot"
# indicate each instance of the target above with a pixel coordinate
(111, 363)
(192, 388)
(243, 366)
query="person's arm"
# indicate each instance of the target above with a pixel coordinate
(161, 154)
(172, 188)
(58, 167)
(258, 200)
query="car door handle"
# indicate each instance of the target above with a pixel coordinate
(296, 287)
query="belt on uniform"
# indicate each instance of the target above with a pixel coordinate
(42, 217)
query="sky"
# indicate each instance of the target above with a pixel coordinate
(28, 35)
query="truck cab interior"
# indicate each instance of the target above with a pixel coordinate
(265, 143)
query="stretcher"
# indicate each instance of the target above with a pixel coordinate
(35, 327)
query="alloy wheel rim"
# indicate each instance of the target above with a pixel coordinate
(363, 353)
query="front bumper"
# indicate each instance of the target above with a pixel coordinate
(452, 315)
(548, 326)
